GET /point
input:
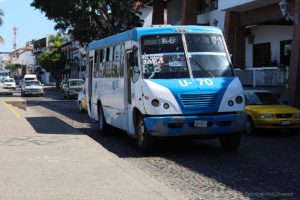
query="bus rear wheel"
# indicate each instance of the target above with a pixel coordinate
(144, 141)
(103, 127)
(230, 142)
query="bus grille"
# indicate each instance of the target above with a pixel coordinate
(198, 100)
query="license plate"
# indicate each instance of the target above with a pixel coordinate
(285, 122)
(200, 123)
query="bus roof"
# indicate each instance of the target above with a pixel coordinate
(136, 33)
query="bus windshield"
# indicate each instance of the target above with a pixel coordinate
(164, 57)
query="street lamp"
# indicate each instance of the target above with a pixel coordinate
(283, 7)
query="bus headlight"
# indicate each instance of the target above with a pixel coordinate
(230, 103)
(166, 106)
(239, 100)
(155, 102)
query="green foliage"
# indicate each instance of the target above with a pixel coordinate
(88, 20)
(55, 41)
(53, 61)
(10, 66)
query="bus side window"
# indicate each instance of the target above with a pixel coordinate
(121, 60)
(108, 67)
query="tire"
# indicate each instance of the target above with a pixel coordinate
(144, 141)
(103, 127)
(80, 106)
(230, 142)
(249, 126)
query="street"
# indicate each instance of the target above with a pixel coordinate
(52, 151)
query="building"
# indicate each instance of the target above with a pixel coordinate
(25, 59)
(40, 46)
(262, 36)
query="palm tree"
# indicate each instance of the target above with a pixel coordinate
(1, 22)
(55, 41)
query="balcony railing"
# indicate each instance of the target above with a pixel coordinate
(264, 76)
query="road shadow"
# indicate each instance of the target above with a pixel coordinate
(51, 125)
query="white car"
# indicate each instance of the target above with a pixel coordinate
(33, 88)
(9, 83)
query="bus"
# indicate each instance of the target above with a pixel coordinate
(166, 81)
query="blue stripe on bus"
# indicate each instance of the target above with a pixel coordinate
(195, 96)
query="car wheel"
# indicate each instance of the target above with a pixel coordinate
(80, 106)
(144, 141)
(249, 126)
(103, 127)
(230, 142)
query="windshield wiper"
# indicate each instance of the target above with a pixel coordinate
(199, 65)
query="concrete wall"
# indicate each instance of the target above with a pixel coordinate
(147, 16)
(210, 17)
(174, 12)
(226, 4)
(263, 34)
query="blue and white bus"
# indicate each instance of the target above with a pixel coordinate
(166, 81)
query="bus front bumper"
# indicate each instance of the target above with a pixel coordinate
(195, 125)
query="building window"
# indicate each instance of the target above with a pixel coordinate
(262, 55)
(285, 52)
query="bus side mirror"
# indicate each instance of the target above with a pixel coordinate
(131, 59)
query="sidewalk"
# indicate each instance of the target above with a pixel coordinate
(38, 164)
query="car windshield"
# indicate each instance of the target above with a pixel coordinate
(262, 98)
(76, 83)
(30, 83)
(163, 56)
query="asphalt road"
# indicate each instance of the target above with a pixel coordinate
(267, 165)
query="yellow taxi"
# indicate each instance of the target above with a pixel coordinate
(266, 111)
(82, 101)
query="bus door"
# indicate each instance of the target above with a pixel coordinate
(127, 95)
(90, 86)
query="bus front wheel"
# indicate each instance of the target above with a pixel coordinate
(230, 142)
(103, 127)
(144, 141)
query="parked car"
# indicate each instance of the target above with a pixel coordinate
(73, 87)
(81, 101)
(33, 88)
(9, 83)
(266, 111)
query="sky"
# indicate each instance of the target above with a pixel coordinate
(30, 23)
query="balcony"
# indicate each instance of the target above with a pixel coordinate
(263, 76)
